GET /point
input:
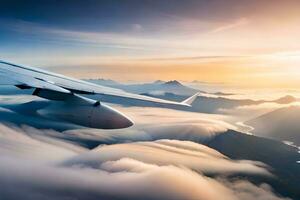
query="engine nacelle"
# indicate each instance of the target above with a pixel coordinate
(86, 112)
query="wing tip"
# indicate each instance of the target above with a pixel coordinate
(190, 99)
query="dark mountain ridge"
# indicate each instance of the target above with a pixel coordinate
(281, 124)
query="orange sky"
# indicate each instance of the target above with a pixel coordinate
(245, 43)
(258, 48)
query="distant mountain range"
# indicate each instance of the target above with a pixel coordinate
(281, 124)
(213, 104)
(156, 87)
(171, 90)
(176, 91)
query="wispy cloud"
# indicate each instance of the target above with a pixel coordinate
(232, 25)
(100, 38)
(220, 57)
(191, 41)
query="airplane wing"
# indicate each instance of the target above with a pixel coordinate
(42, 80)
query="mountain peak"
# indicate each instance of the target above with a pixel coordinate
(159, 82)
(174, 83)
(286, 99)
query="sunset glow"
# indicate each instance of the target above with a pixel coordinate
(248, 44)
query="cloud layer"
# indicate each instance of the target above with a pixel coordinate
(163, 169)
(158, 158)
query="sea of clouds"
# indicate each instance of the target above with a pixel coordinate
(160, 157)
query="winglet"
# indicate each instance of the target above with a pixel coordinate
(190, 100)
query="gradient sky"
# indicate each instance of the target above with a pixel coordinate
(240, 42)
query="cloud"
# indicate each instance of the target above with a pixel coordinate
(247, 191)
(45, 164)
(124, 177)
(154, 45)
(100, 39)
(137, 27)
(32, 143)
(237, 23)
(190, 155)
(252, 111)
(198, 58)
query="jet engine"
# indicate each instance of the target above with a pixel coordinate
(85, 112)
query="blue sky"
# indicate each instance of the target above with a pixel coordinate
(26, 24)
(148, 40)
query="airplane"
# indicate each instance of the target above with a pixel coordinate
(69, 104)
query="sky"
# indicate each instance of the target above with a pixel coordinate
(252, 44)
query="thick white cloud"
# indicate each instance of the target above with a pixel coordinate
(170, 152)
(31, 143)
(35, 164)
(164, 169)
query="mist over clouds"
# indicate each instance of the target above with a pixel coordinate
(247, 112)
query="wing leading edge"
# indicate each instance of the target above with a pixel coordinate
(29, 77)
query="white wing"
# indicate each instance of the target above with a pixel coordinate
(29, 77)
